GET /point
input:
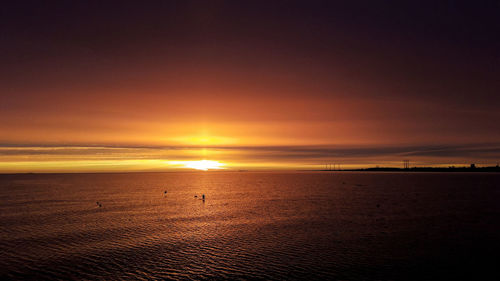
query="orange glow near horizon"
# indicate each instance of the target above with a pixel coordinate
(45, 159)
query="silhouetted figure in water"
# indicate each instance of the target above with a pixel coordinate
(97, 203)
(165, 192)
(100, 205)
(203, 197)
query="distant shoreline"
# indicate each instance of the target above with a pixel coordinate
(418, 169)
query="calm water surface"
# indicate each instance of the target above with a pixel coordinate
(267, 226)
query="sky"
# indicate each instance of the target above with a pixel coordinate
(160, 85)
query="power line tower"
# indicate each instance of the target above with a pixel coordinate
(406, 164)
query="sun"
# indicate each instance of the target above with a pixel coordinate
(203, 165)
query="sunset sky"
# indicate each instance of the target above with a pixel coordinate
(160, 85)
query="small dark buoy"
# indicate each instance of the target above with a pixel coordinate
(97, 203)
(165, 192)
(100, 205)
(196, 196)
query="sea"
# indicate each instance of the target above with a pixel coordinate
(250, 226)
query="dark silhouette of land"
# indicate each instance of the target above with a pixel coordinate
(471, 168)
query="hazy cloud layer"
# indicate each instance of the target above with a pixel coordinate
(270, 153)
